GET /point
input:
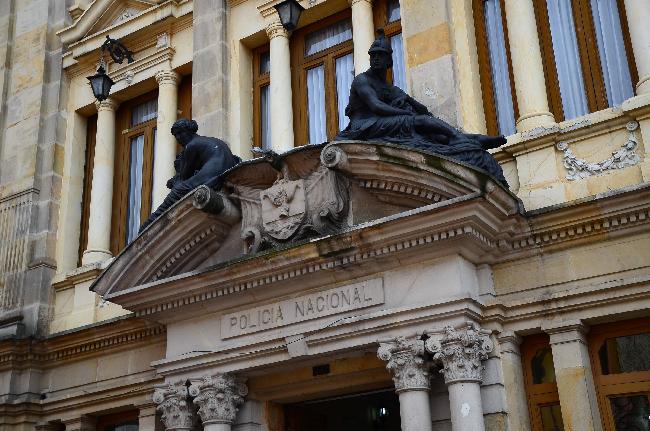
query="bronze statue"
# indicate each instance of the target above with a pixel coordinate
(383, 112)
(201, 162)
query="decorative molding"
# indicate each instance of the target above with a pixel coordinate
(461, 352)
(428, 195)
(167, 77)
(140, 64)
(109, 104)
(218, 397)
(276, 29)
(406, 363)
(621, 158)
(177, 411)
(163, 41)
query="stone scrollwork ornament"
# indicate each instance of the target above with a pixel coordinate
(171, 400)
(406, 363)
(218, 397)
(461, 352)
(621, 158)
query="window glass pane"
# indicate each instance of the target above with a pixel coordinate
(399, 69)
(551, 418)
(135, 187)
(316, 105)
(129, 426)
(499, 67)
(611, 48)
(567, 58)
(631, 413)
(144, 112)
(265, 117)
(542, 366)
(344, 77)
(265, 63)
(394, 13)
(327, 37)
(625, 354)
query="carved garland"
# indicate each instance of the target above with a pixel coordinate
(621, 158)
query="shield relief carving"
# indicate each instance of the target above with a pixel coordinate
(283, 208)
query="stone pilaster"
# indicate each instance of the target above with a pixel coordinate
(218, 398)
(80, 423)
(461, 354)
(410, 372)
(177, 412)
(513, 381)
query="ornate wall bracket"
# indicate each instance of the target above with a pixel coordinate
(621, 158)
(218, 397)
(461, 352)
(171, 400)
(406, 363)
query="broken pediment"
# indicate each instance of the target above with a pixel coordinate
(277, 202)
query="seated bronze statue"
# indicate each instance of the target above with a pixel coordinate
(201, 162)
(380, 111)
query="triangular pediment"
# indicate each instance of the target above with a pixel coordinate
(120, 11)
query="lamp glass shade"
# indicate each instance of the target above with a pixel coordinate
(101, 84)
(289, 11)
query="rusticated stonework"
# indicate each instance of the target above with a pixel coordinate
(218, 397)
(406, 363)
(171, 400)
(461, 352)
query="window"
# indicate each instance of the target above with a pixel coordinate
(586, 55)
(261, 100)
(388, 15)
(620, 356)
(541, 388)
(122, 421)
(323, 72)
(91, 135)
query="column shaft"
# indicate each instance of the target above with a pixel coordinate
(217, 427)
(165, 150)
(513, 382)
(363, 33)
(575, 384)
(101, 195)
(527, 65)
(282, 138)
(415, 411)
(638, 17)
(466, 407)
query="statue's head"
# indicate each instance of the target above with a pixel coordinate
(184, 130)
(381, 53)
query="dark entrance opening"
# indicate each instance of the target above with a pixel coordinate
(371, 411)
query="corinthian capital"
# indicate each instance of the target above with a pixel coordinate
(461, 352)
(172, 402)
(406, 363)
(218, 397)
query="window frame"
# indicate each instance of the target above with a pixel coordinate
(380, 19)
(116, 419)
(301, 64)
(621, 384)
(260, 80)
(89, 164)
(541, 394)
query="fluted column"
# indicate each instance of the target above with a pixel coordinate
(282, 138)
(363, 33)
(177, 411)
(410, 373)
(218, 398)
(101, 195)
(461, 353)
(527, 67)
(638, 17)
(513, 381)
(165, 151)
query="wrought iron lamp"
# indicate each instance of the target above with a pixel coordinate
(100, 82)
(289, 11)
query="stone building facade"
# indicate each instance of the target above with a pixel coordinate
(397, 290)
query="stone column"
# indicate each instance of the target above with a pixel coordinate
(218, 398)
(177, 411)
(80, 423)
(461, 353)
(638, 17)
(282, 138)
(165, 151)
(410, 373)
(513, 381)
(527, 67)
(363, 33)
(101, 195)
(575, 383)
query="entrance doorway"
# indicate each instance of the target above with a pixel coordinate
(370, 411)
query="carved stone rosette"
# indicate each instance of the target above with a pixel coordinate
(218, 397)
(461, 353)
(177, 411)
(406, 363)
